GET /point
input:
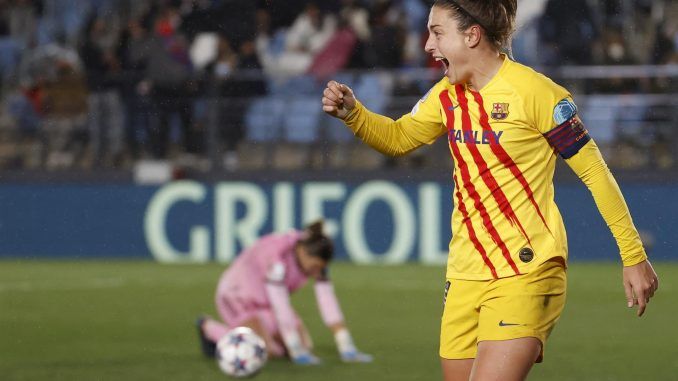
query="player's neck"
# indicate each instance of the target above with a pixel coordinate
(488, 65)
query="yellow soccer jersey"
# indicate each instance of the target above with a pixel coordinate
(504, 141)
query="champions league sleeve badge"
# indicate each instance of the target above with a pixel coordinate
(564, 110)
(570, 135)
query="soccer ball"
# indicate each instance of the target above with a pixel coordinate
(241, 353)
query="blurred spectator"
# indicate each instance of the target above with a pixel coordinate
(50, 67)
(614, 49)
(236, 20)
(308, 35)
(239, 83)
(614, 12)
(105, 111)
(282, 12)
(132, 54)
(615, 52)
(162, 89)
(388, 37)
(311, 30)
(39, 63)
(356, 17)
(665, 51)
(665, 47)
(199, 17)
(168, 80)
(22, 16)
(568, 33)
(52, 80)
(526, 36)
(230, 110)
(416, 16)
(62, 18)
(9, 51)
(335, 56)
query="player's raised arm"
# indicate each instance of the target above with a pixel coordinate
(391, 137)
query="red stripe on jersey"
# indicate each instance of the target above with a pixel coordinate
(471, 232)
(466, 177)
(505, 159)
(447, 104)
(484, 173)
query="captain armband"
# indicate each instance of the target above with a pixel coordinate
(570, 135)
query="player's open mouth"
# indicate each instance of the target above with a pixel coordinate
(445, 62)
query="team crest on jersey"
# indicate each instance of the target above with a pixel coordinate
(500, 111)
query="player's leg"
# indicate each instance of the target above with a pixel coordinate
(211, 330)
(517, 314)
(505, 360)
(456, 370)
(459, 328)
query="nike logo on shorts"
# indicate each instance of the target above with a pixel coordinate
(502, 324)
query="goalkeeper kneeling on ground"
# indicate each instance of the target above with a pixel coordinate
(255, 292)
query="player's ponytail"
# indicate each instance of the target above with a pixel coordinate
(496, 17)
(316, 242)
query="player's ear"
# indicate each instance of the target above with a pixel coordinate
(473, 36)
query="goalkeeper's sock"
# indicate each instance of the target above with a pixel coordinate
(293, 343)
(344, 341)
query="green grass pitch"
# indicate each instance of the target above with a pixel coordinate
(102, 320)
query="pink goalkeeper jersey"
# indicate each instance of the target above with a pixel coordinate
(270, 259)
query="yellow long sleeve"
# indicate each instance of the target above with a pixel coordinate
(590, 166)
(392, 137)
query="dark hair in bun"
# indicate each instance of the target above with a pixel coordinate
(316, 242)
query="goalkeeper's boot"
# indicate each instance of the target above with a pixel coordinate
(208, 347)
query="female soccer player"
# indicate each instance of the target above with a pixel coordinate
(255, 292)
(505, 124)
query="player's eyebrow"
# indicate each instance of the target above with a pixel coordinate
(433, 26)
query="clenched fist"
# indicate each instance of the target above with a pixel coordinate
(338, 99)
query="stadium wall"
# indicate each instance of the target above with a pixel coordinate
(372, 221)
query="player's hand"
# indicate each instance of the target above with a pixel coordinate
(356, 356)
(306, 359)
(338, 99)
(640, 284)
